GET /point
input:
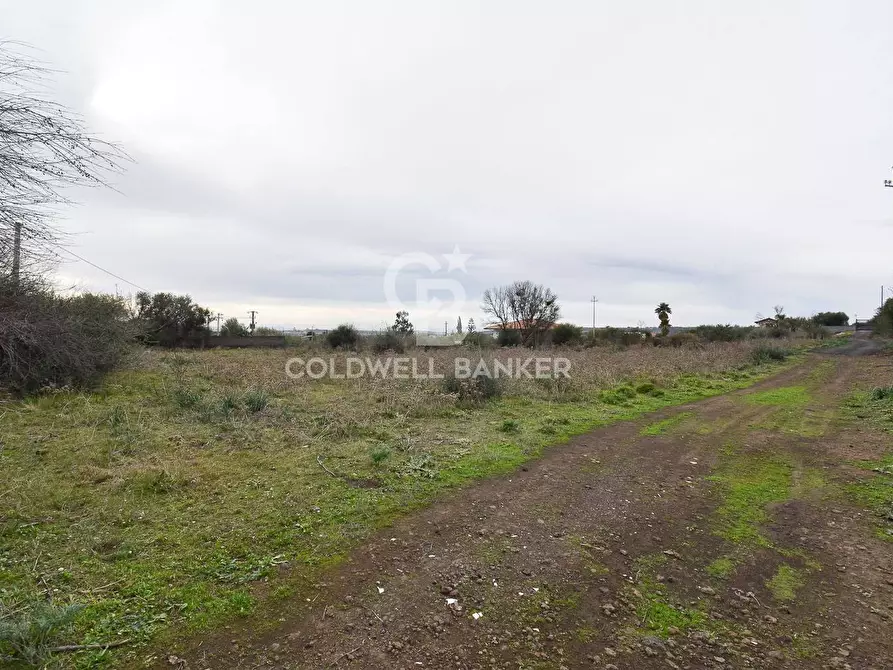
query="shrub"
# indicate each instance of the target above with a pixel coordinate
(508, 338)
(510, 426)
(47, 340)
(645, 388)
(472, 390)
(170, 320)
(767, 354)
(379, 455)
(232, 328)
(618, 396)
(256, 400)
(722, 333)
(831, 319)
(388, 340)
(882, 322)
(344, 336)
(186, 398)
(882, 393)
(566, 333)
(30, 635)
(229, 402)
(617, 336)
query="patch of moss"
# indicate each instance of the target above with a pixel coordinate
(875, 493)
(721, 568)
(784, 396)
(661, 427)
(654, 608)
(749, 484)
(785, 582)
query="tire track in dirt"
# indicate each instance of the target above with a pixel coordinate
(570, 558)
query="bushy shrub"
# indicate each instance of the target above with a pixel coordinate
(379, 455)
(722, 332)
(510, 426)
(389, 340)
(170, 320)
(566, 333)
(472, 390)
(48, 340)
(882, 322)
(618, 396)
(677, 340)
(29, 634)
(831, 319)
(256, 400)
(882, 393)
(768, 354)
(617, 336)
(233, 328)
(508, 338)
(344, 336)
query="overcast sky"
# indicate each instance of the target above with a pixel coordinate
(723, 157)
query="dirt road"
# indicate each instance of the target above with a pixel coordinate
(715, 535)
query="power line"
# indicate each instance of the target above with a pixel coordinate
(111, 274)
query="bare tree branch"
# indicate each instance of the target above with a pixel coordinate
(44, 149)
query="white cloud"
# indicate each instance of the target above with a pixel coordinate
(721, 158)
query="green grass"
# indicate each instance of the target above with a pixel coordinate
(748, 485)
(654, 609)
(785, 583)
(160, 500)
(721, 568)
(875, 493)
(785, 396)
(795, 409)
(661, 427)
(874, 406)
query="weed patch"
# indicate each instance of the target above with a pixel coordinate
(721, 568)
(748, 485)
(785, 582)
(661, 427)
(875, 493)
(785, 396)
(30, 634)
(654, 608)
(167, 495)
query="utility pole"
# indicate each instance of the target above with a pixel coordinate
(445, 328)
(594, 302)
(219, 316)
(251, 327)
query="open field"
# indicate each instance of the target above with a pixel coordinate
(749, 530)
(202, 487)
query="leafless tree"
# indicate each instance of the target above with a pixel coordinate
(496, 303)
(44, 149)
(531, 308)
(535, 308)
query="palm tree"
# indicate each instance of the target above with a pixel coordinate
(663, 312)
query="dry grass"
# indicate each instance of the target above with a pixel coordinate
(591, 369)
(160, 500)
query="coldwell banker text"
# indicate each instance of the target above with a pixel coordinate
(426, 368)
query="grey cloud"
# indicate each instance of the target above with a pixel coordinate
(721, 158)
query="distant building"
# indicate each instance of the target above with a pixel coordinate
(768, 322)
(427, 340)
